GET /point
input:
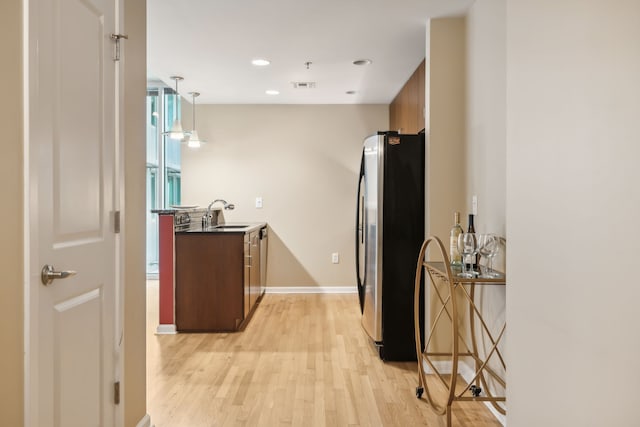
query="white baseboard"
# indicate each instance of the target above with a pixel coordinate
(166, 330)
(145, 421)
(467, 373)
(311, 290)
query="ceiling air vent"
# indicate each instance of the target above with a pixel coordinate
(304, 85)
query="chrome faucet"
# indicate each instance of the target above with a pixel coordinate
(206, 220)
(227, 206)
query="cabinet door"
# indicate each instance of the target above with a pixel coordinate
(208, 278)
(247, 275)
(254, 281)
(421, 102)
(406, 111)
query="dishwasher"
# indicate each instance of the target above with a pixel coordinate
(264, 240)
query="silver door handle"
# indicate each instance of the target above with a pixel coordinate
(48, 274)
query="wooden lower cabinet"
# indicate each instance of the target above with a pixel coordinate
(213, 292)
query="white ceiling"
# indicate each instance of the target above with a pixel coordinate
(211, 44)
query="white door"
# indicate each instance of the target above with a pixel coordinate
(73, 347)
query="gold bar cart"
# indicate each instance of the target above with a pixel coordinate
(451, 294)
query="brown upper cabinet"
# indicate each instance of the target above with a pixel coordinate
(406, 111)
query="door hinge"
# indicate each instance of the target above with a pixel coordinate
(116, 222)
(116, 392)
(116, 38)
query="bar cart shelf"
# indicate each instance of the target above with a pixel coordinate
(453, 304)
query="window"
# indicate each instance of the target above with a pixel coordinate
(163, 164)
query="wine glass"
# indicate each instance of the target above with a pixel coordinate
(467, 246)
(488, 247)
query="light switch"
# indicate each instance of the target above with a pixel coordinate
(335, 257)
(258, 202)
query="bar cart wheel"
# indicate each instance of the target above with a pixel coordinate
(419, 391)
(475, 390)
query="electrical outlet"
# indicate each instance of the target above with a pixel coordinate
(474, 204)
(258, 202)
(335, 258)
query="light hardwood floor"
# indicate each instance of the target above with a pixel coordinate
(303, 360)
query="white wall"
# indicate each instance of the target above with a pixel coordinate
(11, 232)
(485, 145)
(304, 161)
(466, 89)
(486, 115)
(573, 144)
(135, 85)
(445, 97)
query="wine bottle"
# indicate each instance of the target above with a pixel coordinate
(472, 261)
(456, 230)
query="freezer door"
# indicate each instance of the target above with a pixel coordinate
(372, 219)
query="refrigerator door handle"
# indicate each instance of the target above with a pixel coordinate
(359, 237)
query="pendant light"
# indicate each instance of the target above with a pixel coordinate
(176, 131)
(194, 140)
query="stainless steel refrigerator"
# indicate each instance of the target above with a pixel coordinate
(389, 233)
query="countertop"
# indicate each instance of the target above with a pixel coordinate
(229, 227)
(173, 211)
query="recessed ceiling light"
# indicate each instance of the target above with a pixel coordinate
(362, 62)
(272, 92)
(260, 62)
(350, 92)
